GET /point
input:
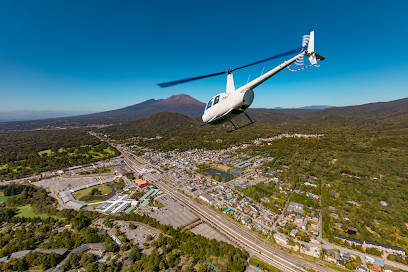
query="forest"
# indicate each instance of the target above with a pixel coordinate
(24, 154)
(174, 249)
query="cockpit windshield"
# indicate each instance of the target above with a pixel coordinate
(209, 104)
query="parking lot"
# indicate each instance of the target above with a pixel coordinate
(58, 184)
(209, 232)
(138, 235)
(173, 213)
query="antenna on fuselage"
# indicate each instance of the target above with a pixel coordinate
(248, 78)
(262, 70)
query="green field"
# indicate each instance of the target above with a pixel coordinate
(105, 189)
(159, 206)
(98, 171)
(4, 198)
(47, 151)
(27, 211)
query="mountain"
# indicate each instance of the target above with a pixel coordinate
(314, 107)
(181, 103)
(371, 111)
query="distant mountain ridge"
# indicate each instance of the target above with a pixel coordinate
(9, 116)
(314, 107)
(395, 111)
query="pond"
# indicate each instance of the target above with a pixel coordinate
(218, 173)
(4, 198)
(102, 197)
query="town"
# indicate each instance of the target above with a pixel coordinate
(213, 194)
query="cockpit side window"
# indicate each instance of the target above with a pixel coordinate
(209, 104)
(216, 99)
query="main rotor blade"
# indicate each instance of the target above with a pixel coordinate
(176, 82)
(293, 51)
(172, 83)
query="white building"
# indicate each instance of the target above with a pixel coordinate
(207, 198)
(280, 239)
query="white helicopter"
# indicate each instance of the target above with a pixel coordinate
(225, 106)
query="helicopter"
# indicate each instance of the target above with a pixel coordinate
(225, 106)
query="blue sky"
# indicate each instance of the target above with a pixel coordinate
(102, 55)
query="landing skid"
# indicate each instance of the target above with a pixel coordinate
(236, 128)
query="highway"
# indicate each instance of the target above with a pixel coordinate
(275, 256)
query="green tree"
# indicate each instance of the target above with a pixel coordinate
(134, 255)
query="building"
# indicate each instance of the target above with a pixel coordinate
(116, 240)
(246, 220)
(116, 204)
(310, 250)
(388, 269)
(280, 239)
(304, 225)
(19, 254)
(349, 240)
(331, 259)
(381, 247)
(207, 198)
(295, 207)
(140, 181)
(236, 171)
(59, 251)
(379, 262)
(369, 259)
(243, 186)
(361, 268)
(344, 256)
(376, 267)
(69, 200)
(293, 233)
(341, 263)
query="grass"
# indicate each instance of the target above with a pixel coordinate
(5, 198)
(336, 267)
(98, 171)
(109, 151)
(159, 206)
(47, 151)
(3, 166)
(223, 168)
(105, 190)
(27, 211)
(263, 265)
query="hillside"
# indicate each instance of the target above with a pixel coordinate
(156, 123)
(379, 110)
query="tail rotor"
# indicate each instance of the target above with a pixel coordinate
(305, 41)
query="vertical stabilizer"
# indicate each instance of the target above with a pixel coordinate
(230, 83)
(310, 50)
(310, 47)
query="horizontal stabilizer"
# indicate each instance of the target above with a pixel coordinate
(319, 57)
